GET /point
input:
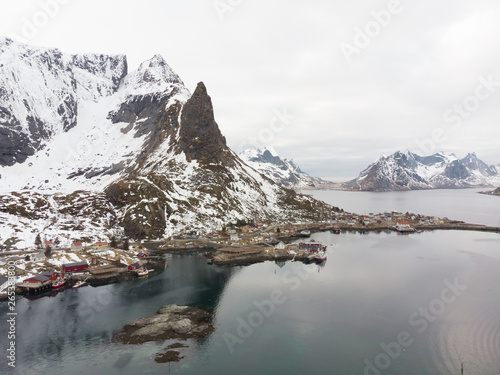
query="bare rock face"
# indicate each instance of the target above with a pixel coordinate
(171, 322)
(492, 192)
(200, 137)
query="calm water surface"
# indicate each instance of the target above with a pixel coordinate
(457, 204)
(330, 319)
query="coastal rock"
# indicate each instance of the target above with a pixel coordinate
(170, 322)
(492, 192)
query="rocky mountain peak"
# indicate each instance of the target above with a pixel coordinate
(408, 171)
(282, 171)
(154, 71)
(200, 136)
(154, 162)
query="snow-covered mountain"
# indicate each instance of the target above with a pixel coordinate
(40, 91)
(408, 171)
(88, 149)
(282, 171)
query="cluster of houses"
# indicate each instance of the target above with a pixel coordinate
(45, 279)
(137, 265)
(393, 217)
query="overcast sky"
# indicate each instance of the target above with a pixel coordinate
(332, 84)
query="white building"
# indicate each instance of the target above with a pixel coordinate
(37, 257)
(76, 246)
(280, 246)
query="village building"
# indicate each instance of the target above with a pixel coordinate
(142, 255)
(134, 266)
(234, 237)
(76, 246)
(75, 267)
(38, 256)
(48, 243)
(101, 245)
(401, 225)
(39, 280)
(280, 246)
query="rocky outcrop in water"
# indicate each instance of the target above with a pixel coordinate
(170, 322)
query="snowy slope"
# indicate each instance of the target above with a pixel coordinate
(114, 152)
(282, 171)
(408, 171)
(95, 153)
(40, 90)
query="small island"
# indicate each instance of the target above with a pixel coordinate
(170, 322)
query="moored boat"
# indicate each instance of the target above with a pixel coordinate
(58, 283)
(321, 257)
(79, 283)
(313, 251)
(404, 227)
(142, 272)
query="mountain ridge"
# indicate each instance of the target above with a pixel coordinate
(141, 156)
(285, 172)
(409, 171)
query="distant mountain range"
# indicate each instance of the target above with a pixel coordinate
(282, 171)
(409, 171)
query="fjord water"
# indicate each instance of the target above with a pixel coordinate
(440, 290)
(457, 204)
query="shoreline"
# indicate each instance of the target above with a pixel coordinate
(246, 254)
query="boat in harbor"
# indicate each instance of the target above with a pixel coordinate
(404, 227)
(142, 272)
(79, 283)
(313, 251)
(321, 257)
(58, 283)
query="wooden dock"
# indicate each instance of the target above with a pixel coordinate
(105, 270)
